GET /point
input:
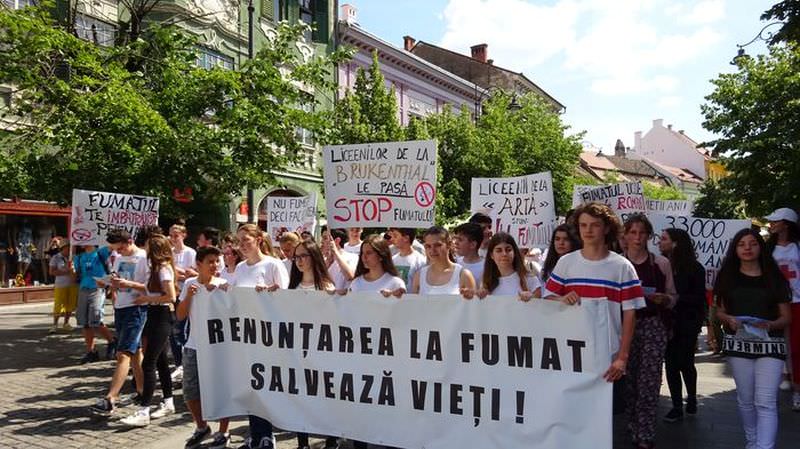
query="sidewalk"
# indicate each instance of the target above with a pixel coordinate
(45, 395)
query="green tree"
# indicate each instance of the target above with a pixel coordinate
(658, 192)
(86, 120)
(717, 201)
(788, 12)
(756, 113)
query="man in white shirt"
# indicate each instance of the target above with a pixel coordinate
(341, 264)
(485, 222)
(353, 244)
(407, 260)
(468, 239)
(128, 280)
(184, 260)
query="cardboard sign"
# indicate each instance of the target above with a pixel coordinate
(498, 373)
(624, 199)
(381, 184)
(291, 214)
(710, 237)
(671, 207)
(94, 213)
(521, 206)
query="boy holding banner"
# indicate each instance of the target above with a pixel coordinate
(594, 272)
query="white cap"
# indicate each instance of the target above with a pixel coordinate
(784, 213)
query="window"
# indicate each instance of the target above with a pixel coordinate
(94, 30)
(19, 4)
(307, 16)
(282, 7)
(302, 135)
(208, 59)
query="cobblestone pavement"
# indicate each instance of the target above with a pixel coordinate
(45, 394)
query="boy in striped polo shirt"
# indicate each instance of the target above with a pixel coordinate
(594, 272)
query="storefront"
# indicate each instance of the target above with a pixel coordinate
(26, 230)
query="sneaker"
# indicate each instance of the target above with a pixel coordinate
(52, 330)
(103, 407)
(66, 327)
(128, 399)
(796, 401)
(691, 407)
(90, 357)
(197, 438)
(163, 410)
(674, 415)
(220, 441)
(140, 418)
(111, 350)
(267, 443)
(785, 385)
(177, 374)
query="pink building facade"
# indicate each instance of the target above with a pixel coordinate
(421, 87)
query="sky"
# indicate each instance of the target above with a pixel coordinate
(615, 64)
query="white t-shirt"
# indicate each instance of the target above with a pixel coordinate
(612, 278)
(408, 265)
(190, 343)
(475, 268)
(452, 287)
(288, 264)
(164, 274)
(132, 268)
(385, 282)
(788, 259)
(337, 276)
(59, 262)
(266, 272)
(184, 259)
(354, 249)
(510, 285)
(228, 276)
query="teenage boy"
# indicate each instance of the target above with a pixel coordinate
(341, 264)
(91, 301)
(485, 222)
(468, 239)
(208, 262)
(407, 260)
(353, 244)
(183, 259)
(594, 272)
(128, 279)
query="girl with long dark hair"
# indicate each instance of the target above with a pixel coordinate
(159, 299)
(564, 240)
(753, 304)
(441, 276)
(504, 271)
(688, 316)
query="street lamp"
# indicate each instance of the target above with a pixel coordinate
(762, 35)
(251, 195)
(512, 106)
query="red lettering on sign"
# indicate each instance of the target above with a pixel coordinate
(362, 210)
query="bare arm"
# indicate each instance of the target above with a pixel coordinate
(620, 363)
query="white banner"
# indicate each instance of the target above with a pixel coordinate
(522, 206)
(94, 213)
(624, 199)
(671, 207)
(577, 190)
(434, 372)
(711, 238)
(291, 214)
(381, 184)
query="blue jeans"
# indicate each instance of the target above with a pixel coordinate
(129, 323)
(177, 338)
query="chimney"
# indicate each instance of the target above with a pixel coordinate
(681, 131)
(490, 61)
(637, 141)
(479, 52)
(619, 148)
(658, 123)
(350, 14)
(669, 127)
(408, 43)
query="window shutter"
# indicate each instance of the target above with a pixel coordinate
(268, 9)
(320, 34)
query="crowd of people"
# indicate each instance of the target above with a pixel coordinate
(657, 303)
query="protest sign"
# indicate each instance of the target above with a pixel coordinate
(624, 199)
(577, 190)
(94, 213)
(670, 207)
(522, 206)
(291, 214)
(711, 238)
(381, 184)
(484, 374)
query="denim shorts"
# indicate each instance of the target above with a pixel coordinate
(129, 323)
(191, 377)
(90, 307)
